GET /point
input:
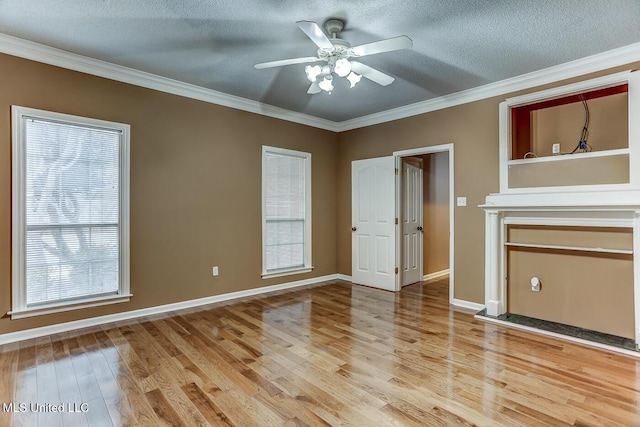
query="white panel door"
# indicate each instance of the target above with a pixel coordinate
(411, 223)
(373, 222)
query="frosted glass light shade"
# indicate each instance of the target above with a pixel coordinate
(353, 78)
(342, 67)
(312, 72)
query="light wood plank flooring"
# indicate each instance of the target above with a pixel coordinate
(332, 354)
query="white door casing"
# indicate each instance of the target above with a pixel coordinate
(373, 239)
(412, 232)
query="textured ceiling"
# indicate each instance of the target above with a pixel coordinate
(214, 44)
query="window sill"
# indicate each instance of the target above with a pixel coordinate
(289, 272)
(67, 306)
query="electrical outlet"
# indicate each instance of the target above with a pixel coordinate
(535, 284)
(215, 270)
(555, 148)
(462, 201)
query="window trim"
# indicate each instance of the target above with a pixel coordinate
(19, 308)
(307, 267)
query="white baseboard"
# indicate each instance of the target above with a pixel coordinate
(467, 305)
(95, 321)
(343, 277)
(435, 275)
(560, 336)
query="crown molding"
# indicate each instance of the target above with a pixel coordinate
(579, 67)
(72, 61)
(53, 56)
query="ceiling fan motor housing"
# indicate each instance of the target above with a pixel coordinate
(334, 26)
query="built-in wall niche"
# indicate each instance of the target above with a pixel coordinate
(571, 136)
(536, 127)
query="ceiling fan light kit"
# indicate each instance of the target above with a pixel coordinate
(336, 53)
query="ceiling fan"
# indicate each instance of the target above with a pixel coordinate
(336, 53)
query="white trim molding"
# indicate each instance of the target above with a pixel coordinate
(20, 306)
(579, 67)
(72, 61)
(435, 275)
(467, 305)
(447, 148)
(11, 337)
(60, 58)
(559, 336)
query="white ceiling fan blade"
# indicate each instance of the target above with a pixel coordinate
(286, 62)
(371, 73)
(314, 88)
(388, 45)
(315, 33)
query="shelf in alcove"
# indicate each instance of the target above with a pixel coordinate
(570, 248)
(575, 156)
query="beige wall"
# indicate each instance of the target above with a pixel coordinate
(436, 212)
(193, 203)
(588, 290)
(473, 128)
(608, 128)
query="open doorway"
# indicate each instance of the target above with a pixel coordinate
(435, 251)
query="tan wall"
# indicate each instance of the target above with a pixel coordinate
(588, 290)
(194, 204)
(608, 125)
(473, 128)
(436, 212)
(571, 171)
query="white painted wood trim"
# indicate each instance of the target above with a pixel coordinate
(467, 305)
(435, 275)
(568, 222)
(19, 308)
(431, 150)
(624, 77)
(100, 320)
(344, 277)
(570, 248)
(580, 67)
(559, 336)
(636, 276)
(609, 80)
(495, 300)
(562, 157)
(308, 260)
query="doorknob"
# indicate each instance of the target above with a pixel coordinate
(419, 228)
(353, 229)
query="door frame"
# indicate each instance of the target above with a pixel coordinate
(398, 155)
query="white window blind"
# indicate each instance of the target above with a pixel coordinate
(70, 212)
(286, 201)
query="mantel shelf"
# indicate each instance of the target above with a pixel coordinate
(570, 248)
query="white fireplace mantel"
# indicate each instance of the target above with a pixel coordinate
(584, 209)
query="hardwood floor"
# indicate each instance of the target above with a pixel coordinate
(332, 354)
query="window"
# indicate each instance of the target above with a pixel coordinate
(286, 212)
(70, 212)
